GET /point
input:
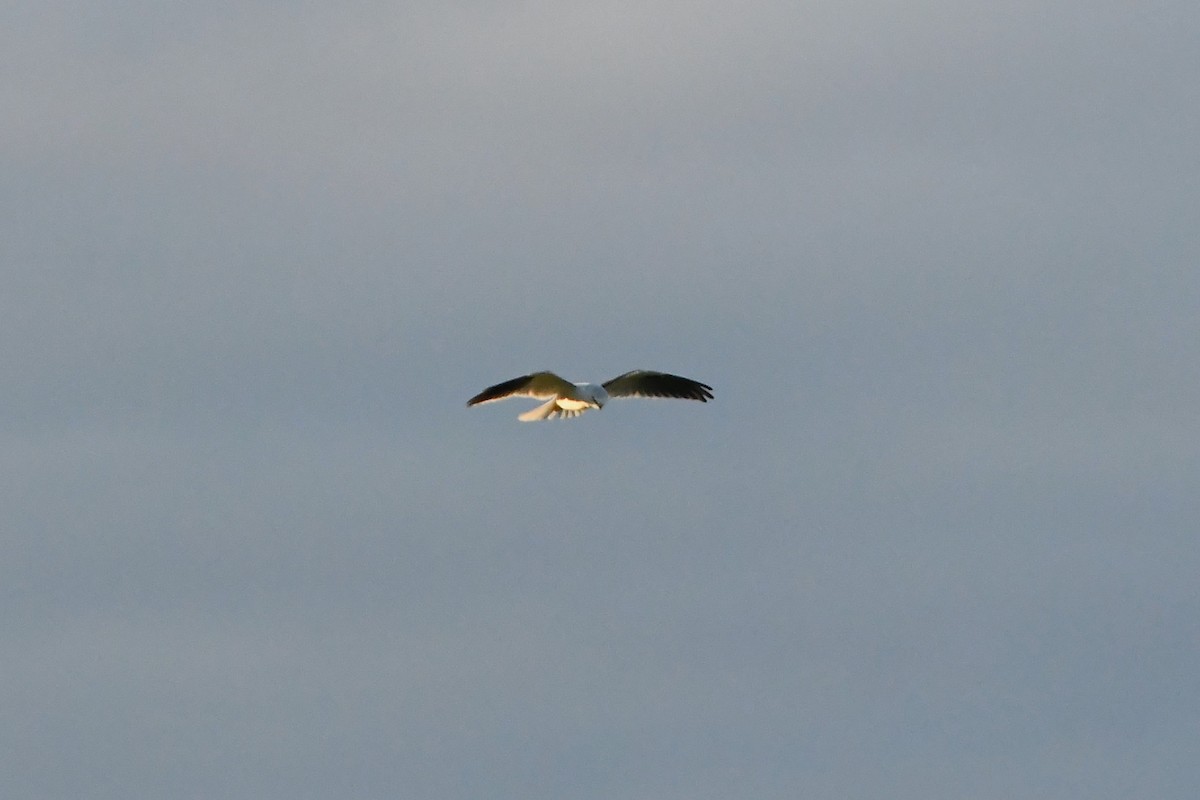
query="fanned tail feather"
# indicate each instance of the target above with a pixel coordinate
(544, 411)
(550, 410)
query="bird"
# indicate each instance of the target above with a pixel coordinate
(565, 399)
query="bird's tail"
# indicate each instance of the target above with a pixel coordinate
(550, 410)
(541, 412)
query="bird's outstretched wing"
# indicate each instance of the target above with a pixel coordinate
(542, 385)
(646, 383)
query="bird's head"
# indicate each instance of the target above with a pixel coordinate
(597, 396)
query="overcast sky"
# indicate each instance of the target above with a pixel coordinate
(936, 537)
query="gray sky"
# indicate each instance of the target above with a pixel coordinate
(935, 538)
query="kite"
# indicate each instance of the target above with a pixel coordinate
(565, 399)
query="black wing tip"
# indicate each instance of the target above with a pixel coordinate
(499, 390)
(687, 388)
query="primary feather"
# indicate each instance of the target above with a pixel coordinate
(647, 383)
(539, 385)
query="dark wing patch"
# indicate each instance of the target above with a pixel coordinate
(500, 390)
(647, 383)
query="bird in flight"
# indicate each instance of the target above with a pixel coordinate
(566, 399)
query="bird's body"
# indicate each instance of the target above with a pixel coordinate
(565, 399)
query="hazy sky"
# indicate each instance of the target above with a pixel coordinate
(936, 537)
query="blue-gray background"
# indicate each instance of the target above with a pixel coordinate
(935, 538)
